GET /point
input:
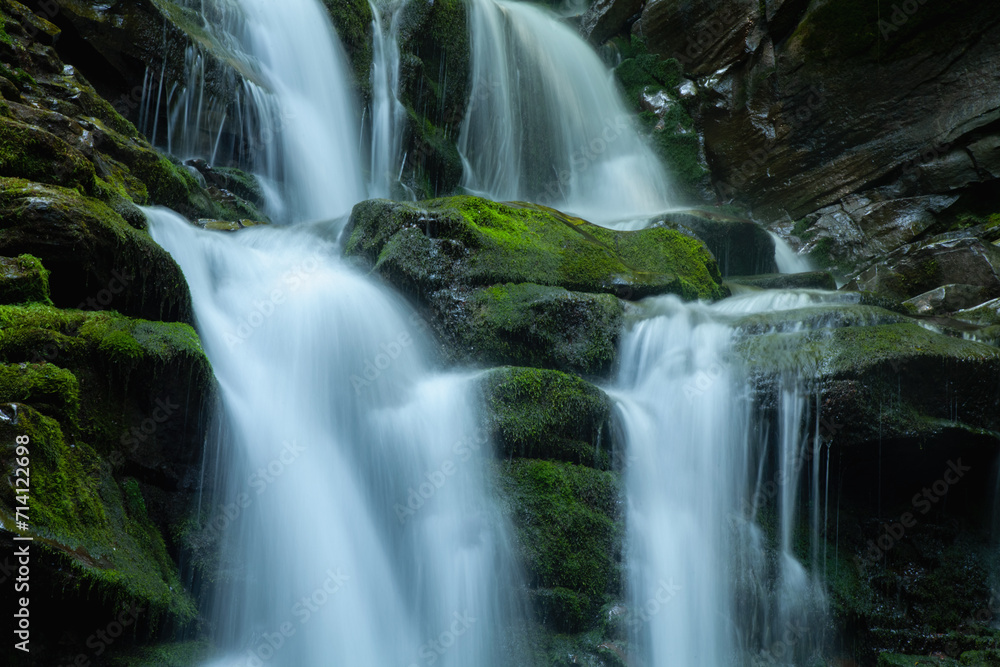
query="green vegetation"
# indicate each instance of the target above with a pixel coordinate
(540, 326)
(542, 414)
(522, 243)
(569, 535)
(673, 134)
(23, 279)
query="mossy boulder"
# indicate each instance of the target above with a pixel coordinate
(30, 152)
(113, 409)
(542, 414)
(23, 279)
(95, 259)
(95, 525)
(569, 530)
(534, 325)
(471, 242)
(885, 380)
(741, 247)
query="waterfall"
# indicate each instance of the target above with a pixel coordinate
(787, 259)
(712, 493)
(546, 123)
(352, 503)
(294, 109)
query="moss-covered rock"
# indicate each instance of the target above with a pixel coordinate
(473, 242)
(532, 325)
(23, 279)
(541, 414)
(84, 517)
(886, 380)
(569, 531)
(352, 20)
(434, 88)
(95, 259)
(30, 152)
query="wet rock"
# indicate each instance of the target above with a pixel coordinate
(947, 299)
(23, 279)
(568, 534)
(863, 228)
(741, 247)
(811, 280)
(873, 379)
(95, 259)
(919, 267)
(541, 414)
(531, 325)
(606, 18)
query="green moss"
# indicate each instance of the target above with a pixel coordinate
(523, 243)
(78, 515)
(569, 531)
(23, 279)
(53, 391)
(549, 327)
(353, 20)
(4, 37)
(541, 414)
(32, 153)
(85, 245)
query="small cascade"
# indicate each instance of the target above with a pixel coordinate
(356, 520)
(388, 117)
(292, 119)
(787, 259)
(548, 124)
(724, 568)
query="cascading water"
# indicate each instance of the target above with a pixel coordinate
(356, 519)
(297, 113)
(787, 259)
(707, 583)
(546, 124)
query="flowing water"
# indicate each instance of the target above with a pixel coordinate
(787, 259)
(353, 507)
(547, 123)
(714, 577)
(356, 520)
